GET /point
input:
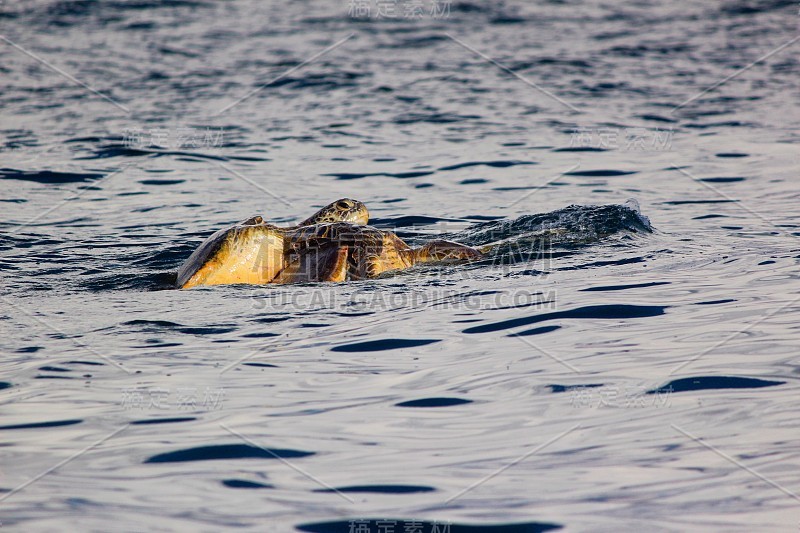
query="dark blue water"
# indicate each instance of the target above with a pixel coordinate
(597, 372)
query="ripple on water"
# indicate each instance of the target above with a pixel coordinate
(47, 176)
(580, 149)
(37, 425)
(721, 179)
(121, 150)
(624, 287)
(715, 302)
(382, 345)
(657, 118)
(381, 489)
(492, 164)
(600, 173)
(595, 264)
(260, 365)
(88, 363)
(699, 202)
(49, 368)
(712, 215)
(433, 402)
(433, 118)
(714, 382)
(567, 388)
(601, 312)
(160, 325)
(151, 421)
(537, 331)
(225, 451)
(244, 484)
(409, 221)
(161, 182)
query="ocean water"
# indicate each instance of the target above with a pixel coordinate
(626, 358)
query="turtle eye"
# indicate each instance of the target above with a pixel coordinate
(344, 204)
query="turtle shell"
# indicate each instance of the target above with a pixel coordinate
(369, 251)
(337, 232)
(248, 252)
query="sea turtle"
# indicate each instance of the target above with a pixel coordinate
(342, 252)
(252, 250)
(255, 252)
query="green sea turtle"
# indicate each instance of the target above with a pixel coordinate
(252, 250)
(334, 244)
(343, 252)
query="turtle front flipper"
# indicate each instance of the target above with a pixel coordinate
(323, 262)
(441, 250)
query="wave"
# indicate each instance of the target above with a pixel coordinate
(567, 227)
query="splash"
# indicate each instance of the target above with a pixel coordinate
(567, 228)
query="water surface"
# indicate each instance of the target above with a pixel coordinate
(614, 379)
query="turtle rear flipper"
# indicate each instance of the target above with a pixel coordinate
(441, 250)
(325, 262)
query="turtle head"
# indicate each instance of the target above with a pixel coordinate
(344, 210)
